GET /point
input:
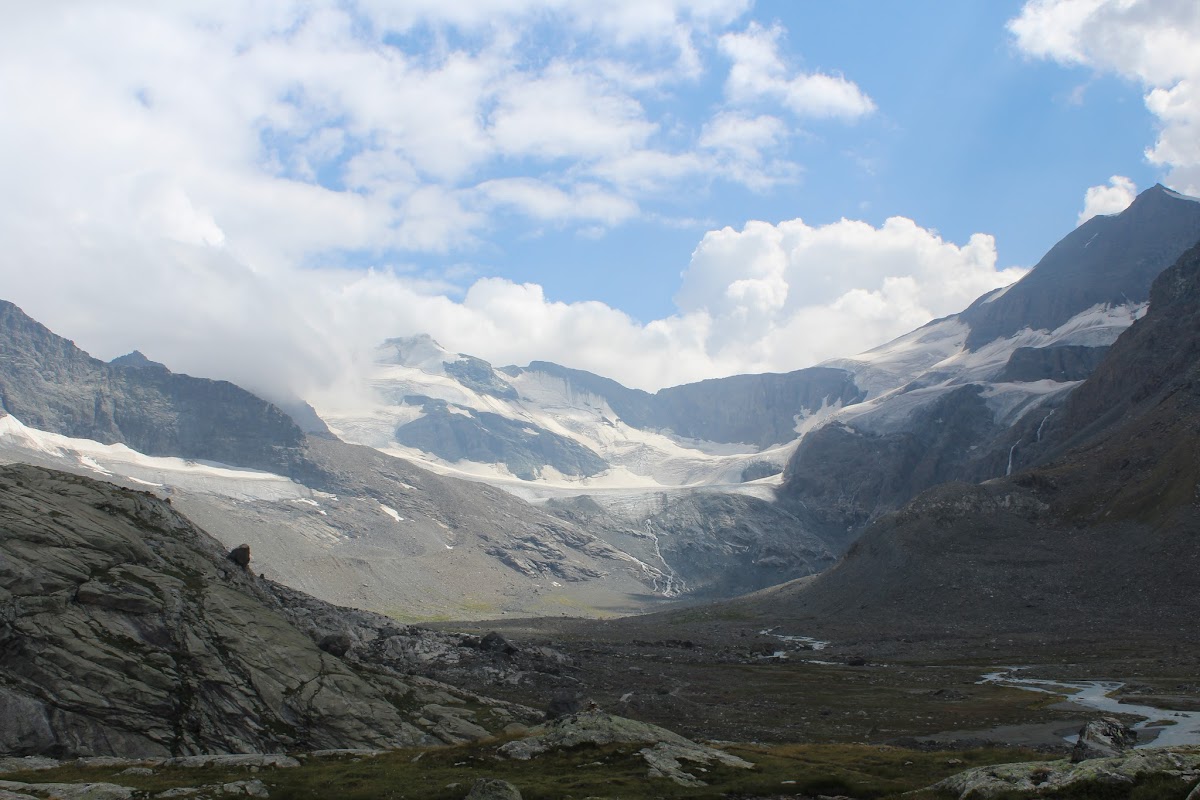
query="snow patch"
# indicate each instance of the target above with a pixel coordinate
(391, 512)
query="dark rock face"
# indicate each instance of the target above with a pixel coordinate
(493, 789)
(50, 384)
(336, 644)
(1099, 541)
(240, 555)
(1103, 738)
(708, 544)
(1110, 260)
(459, 433)
(477, 374)
(845, 477)
(496, 643)
(753, 409)
(124, 631)
(750, 409)
(1065, 363)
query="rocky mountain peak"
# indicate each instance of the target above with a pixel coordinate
(137, 360)
(1108, 260)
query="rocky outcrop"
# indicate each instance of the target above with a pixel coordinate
(845, 476)
(50, 384)
(1064, 363)
(456, 433)
(125, 630)
(663, 754)
(750, 409)
(1099, 542)
(1106, 260)
(1103, 738)
(1047, 776)
(493, 789)
(705, 543)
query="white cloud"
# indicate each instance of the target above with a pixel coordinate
(800, 293)
(565, 114)
(1112, 198)
(187, 179)
(1154, 42)
(759, 72)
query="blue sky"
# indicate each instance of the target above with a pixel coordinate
(656, 190)
(970, 135)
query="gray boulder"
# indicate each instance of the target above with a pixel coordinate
(1047, 776)
(663, 754)
(493, 789)
(1103, 738)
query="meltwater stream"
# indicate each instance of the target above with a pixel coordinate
(1095, 694)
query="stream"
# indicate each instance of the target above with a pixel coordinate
(1095, 694)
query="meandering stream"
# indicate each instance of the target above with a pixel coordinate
(1095, 694)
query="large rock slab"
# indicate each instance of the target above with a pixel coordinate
(985, 782)
(1103, 738)
(663, 755)
(125, 631)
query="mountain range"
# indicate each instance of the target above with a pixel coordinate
(602, 499)
(1017, 478)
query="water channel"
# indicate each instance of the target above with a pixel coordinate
(1183, 727)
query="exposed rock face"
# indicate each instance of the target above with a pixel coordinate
(493, 789)
(751, 409)
(1101, 541)
(1103, 738)
(1105, 260)
(455, 433)
(705, 543)
(1000, 779)
(240, 555)
(846, 477)
(663, 755)
(1063, 363)
(124, 630)
(50, 384)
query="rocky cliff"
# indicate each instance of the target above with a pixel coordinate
(974, 396)
(126, 630)
(1101, 540)
(50, 384)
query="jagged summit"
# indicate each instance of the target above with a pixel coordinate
(50, 384)
(421, 351)
(1108, 260)
(137, 360)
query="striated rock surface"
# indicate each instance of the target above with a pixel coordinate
(493, 789)
(125, 630)
(1103, 738)
(664, 753)
(50, 384)
(1042, 776)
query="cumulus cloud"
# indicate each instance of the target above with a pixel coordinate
(206, 181)
(799, 293)
(1111, 198)
(759, 72)
(1153, 42)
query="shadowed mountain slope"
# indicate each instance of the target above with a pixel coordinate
(1103, 261)
(1101, 540)
(989, 383)
(50, 384)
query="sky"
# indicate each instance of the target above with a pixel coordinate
(659, 191)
